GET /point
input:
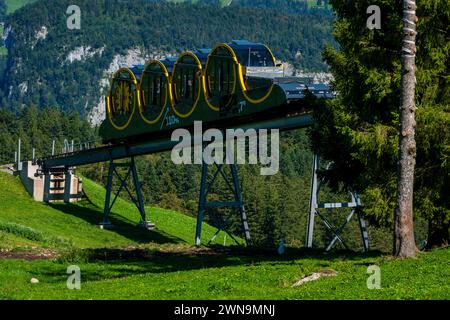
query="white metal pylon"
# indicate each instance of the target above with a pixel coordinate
(314, 205)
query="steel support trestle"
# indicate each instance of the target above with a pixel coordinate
(314, 207)
(138, 200)
(204, 204)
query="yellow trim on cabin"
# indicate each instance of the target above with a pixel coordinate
(206, 85)
(184, 54)
(168, 93)
(134, 105)
(241, 77)
(271, 53)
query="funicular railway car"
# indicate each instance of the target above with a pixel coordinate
(238, 82)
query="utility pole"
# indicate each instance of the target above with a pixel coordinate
(404, 243)
(19, 162)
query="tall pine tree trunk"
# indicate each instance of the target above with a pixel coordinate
(404, 244)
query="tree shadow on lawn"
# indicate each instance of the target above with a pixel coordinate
(121, 263)
(121, 225)
(109, 263)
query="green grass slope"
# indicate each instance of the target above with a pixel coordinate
(222, 276)
(13, 5)
(175, 226)
(128, 263)
(75, 225)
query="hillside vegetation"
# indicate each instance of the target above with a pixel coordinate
(358, 131)
(128, 263)
(37, 128)
(292, 6)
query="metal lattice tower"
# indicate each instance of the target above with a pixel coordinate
(314, 206)
(204, 204)
(138, 200)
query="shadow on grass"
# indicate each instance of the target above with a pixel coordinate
(121, 225)
(103, 264)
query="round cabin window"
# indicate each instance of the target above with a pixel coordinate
(220, 78)
(186, 79)
(123, 98)
(154, 91)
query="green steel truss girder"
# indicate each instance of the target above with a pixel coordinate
(121, 151)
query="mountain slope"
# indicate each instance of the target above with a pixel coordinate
(50, 65)
(292, 6)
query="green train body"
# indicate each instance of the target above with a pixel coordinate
(232, 84)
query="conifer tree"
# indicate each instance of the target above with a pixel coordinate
(359, 130)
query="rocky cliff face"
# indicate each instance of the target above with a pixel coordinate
(82, 53)
(134, 56)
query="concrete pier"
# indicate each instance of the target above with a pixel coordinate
(52, 187)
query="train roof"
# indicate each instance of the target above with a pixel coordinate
(241, 47)
(249, 54)
(137, 70)
(169, 62)
(202, 55)
(252, 54)
(244, 44)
